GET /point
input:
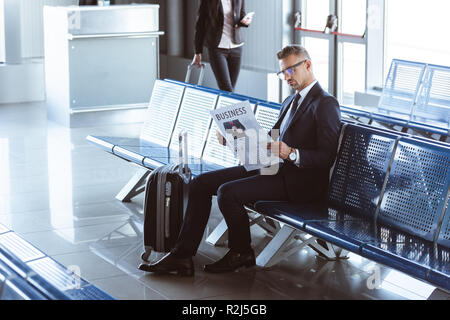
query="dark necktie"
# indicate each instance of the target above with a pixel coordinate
(290, 114)
(294, 107)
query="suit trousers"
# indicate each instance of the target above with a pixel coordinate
(234, 187)
(226, 64)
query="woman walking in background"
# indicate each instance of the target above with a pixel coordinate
(218, 29)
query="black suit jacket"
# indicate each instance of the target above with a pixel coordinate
(314, 130)
(92, 2)
(87, 2)
(208, 33)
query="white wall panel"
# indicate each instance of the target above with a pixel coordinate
(263, 39)
(32, 25)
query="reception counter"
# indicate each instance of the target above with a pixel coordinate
(100, 62)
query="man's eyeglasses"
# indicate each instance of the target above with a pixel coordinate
(289, 70)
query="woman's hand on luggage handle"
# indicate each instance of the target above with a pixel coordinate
(197, 61)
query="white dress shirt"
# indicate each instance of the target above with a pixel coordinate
(284, 123)
(226, 42)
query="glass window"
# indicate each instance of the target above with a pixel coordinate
(417, 30)
(353, 17)
(319, 50)
(353, 71)
(315, 13)
(2, 34)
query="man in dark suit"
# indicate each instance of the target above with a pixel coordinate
(308, 126)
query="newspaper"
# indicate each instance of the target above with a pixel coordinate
(245, 136)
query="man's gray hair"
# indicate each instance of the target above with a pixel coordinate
(296, 49)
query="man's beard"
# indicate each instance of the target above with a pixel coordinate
(294, 84)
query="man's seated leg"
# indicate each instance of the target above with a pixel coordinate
(232, 197)
(201, 190)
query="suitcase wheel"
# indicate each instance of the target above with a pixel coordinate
(146, 255)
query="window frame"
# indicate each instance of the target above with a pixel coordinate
(373, 40)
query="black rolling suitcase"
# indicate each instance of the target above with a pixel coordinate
(165, 203)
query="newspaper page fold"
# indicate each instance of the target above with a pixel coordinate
(244, 135)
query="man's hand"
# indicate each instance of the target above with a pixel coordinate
(279, 149)
(197, 61)
(220, 138)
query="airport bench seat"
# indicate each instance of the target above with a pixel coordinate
(415, 96)
(406, 227)
(380, 243)
(373, 168)
(150, 155)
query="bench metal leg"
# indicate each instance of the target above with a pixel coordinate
(327, 250)
(290, 240)
(220, 233)
(269, 225)
(279, 247)
(135, 186)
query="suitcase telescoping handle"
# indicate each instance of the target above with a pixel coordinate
(183, 153)
(200, 77)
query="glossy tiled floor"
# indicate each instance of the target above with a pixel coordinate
(57, 191)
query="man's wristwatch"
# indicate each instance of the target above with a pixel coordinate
(293, 155)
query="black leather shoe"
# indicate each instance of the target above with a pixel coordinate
(169, 263)
(232, 261)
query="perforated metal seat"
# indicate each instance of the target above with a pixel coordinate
(402, 232)
(398, 97)
(412, 208)
(360, 169)
(355, 188)
(417, 187)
